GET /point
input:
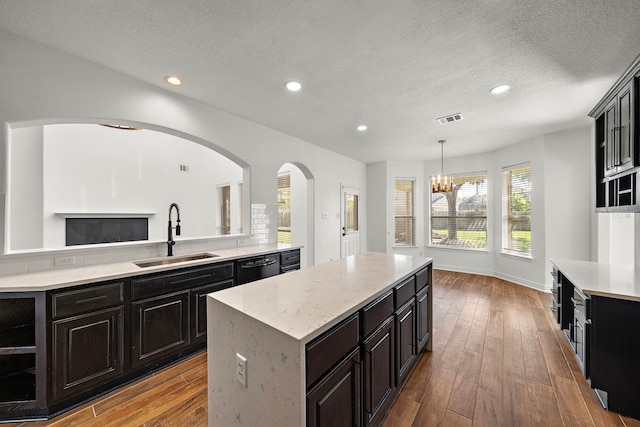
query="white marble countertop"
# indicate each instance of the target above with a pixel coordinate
(55, 279)
(596, 278)
(305, 303)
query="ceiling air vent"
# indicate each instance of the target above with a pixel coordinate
(448, 119)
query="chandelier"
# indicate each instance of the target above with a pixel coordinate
(441, 183)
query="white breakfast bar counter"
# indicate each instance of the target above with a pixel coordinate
(269, 322)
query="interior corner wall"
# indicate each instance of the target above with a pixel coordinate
(377, 204)
(568, 204)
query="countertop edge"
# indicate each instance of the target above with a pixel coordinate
(582, 275)
(76, 276)
(305, 338)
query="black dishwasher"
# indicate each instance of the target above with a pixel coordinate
(256, 268)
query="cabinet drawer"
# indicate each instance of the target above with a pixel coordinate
(88, 299)
(375, 313)
(422, 278)
(404, 291)
(184, 279)
(330, 347)
(290, 257)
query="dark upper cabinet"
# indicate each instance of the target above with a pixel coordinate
(617, 144)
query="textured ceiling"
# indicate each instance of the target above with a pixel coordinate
(393, 65)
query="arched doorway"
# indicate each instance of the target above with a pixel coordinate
(295, 209)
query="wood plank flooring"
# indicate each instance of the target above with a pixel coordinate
(498, 360)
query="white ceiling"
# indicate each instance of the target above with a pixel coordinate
(395, 65)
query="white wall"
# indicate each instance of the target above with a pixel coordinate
(41, 85)
(561, 206)
(568, 203)
(377, 203)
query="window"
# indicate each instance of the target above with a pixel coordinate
(225, 209)
(403, 206)
(284, 208)
(516, 210)
(459, 218)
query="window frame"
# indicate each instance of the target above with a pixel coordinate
(411, 244)
(505, 203)
(455, 177)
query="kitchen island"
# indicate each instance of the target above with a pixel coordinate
(276, 345)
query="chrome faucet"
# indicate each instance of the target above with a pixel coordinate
(170, 241)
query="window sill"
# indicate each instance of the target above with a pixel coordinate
(517, 255)
(453, 248)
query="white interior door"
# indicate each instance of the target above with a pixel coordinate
(349, 222)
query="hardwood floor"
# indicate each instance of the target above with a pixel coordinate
(498, 360)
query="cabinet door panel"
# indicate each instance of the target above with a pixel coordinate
(160, 326)
(611, 138)
(379, 372)
(199, 309)
(87, 351)
(625, 131)
(335, 401)
(422, 314)
(405, 340)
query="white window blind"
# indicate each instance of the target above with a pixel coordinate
(225, 210)
(403, 207)
(284, 208)
(516, 210)
(459, 218)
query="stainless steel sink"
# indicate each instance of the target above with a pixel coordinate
(173, 260)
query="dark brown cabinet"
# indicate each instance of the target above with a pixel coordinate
(390, 332)
(62, 346)
(22, 358)
(88, 340)
(422, 318)
(379, 376)
(335, 401)
(617, 144)
(159, 327)
(333, 374)
(168, 311)
(199, 311)
(88, 351)
(405, 325)
(614, 353)
(290, 261)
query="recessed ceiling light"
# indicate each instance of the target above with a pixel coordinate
(173, 80)
(362, 128)
(293, 86)
(499, 89)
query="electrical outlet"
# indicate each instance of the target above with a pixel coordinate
(241, 369)
(64, 260)
(240, 242)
